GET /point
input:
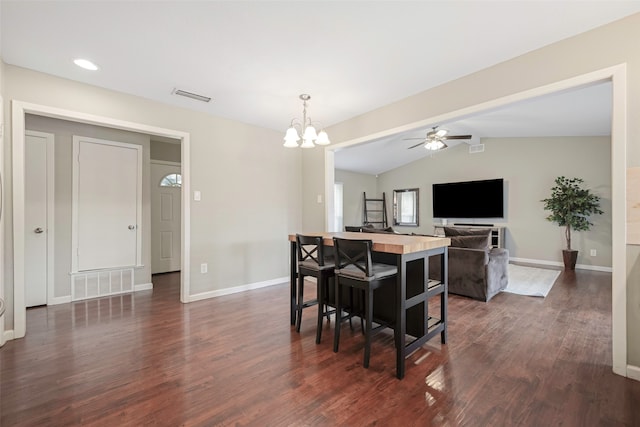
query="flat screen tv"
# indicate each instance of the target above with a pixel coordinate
(469, 199)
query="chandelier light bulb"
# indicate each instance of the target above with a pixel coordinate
(323, 138)
(310, 133)
(291, 138)
(307, 143)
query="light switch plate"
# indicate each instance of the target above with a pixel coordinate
(196, 196)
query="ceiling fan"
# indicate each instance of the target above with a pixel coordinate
(435, 139)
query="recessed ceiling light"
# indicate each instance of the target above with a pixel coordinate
(86, 64)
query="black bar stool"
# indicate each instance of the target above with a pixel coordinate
(312, 261)
(354, 268)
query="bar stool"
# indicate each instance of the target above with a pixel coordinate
(354, 268)
(312, 261)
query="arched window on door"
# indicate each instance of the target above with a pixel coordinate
(171, 180)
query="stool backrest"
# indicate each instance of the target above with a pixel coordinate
(310, 248)
(353, 256)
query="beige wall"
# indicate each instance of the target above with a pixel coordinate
(165, 151)
(354, 184)
(529, 167)
(63, 133)
(250, 184)
(598, 49)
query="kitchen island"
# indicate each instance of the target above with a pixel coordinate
(414, 325)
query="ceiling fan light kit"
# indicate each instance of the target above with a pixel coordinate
(310, 138)
(435, 145)
(435, 138)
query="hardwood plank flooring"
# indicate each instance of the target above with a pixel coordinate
(147, 359)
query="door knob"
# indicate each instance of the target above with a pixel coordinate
(132, 227)
(38, 230)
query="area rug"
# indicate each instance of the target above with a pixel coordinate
(530, 281)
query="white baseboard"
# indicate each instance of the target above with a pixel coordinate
(559, 264)
(237, 289)
(143, 287)
(9, 335)
(59, 300)
(633, 372)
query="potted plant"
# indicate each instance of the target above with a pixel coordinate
(571, 205)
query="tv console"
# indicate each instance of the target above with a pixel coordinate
(497, 231)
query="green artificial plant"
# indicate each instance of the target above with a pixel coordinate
(571, 205)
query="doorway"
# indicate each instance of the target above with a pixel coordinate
(19, 111)
(617, 75)
(166, 190)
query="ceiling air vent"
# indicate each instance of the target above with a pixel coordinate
(191, 95)
(476, 148)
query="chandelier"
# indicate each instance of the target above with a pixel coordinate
(306, 129)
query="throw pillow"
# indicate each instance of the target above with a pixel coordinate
(470, 242)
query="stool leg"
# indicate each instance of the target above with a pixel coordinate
(336, 335)
(322, 280)
(362, 294)
(351, 308)
(367, 337)
(330, 282)
(300, 301)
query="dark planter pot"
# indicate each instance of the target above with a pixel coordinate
(569, 258)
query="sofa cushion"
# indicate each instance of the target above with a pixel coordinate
(454, 231)
(471, 242)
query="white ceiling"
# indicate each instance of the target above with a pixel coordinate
(255, 57)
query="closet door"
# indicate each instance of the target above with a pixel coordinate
(107, 204)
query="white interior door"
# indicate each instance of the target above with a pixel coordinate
(38, 207)
(165, 217)
(107, 204)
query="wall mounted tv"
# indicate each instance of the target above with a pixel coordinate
(469, 199)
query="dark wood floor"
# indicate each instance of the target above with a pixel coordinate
(235, 360)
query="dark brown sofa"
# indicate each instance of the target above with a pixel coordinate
(476, 270)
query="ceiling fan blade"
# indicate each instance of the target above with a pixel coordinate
(457, 137)
(417, 145)
(408, 139)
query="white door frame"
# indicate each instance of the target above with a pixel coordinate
(50, 138)
(18, 111)
(617, 74)
(3, 334)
